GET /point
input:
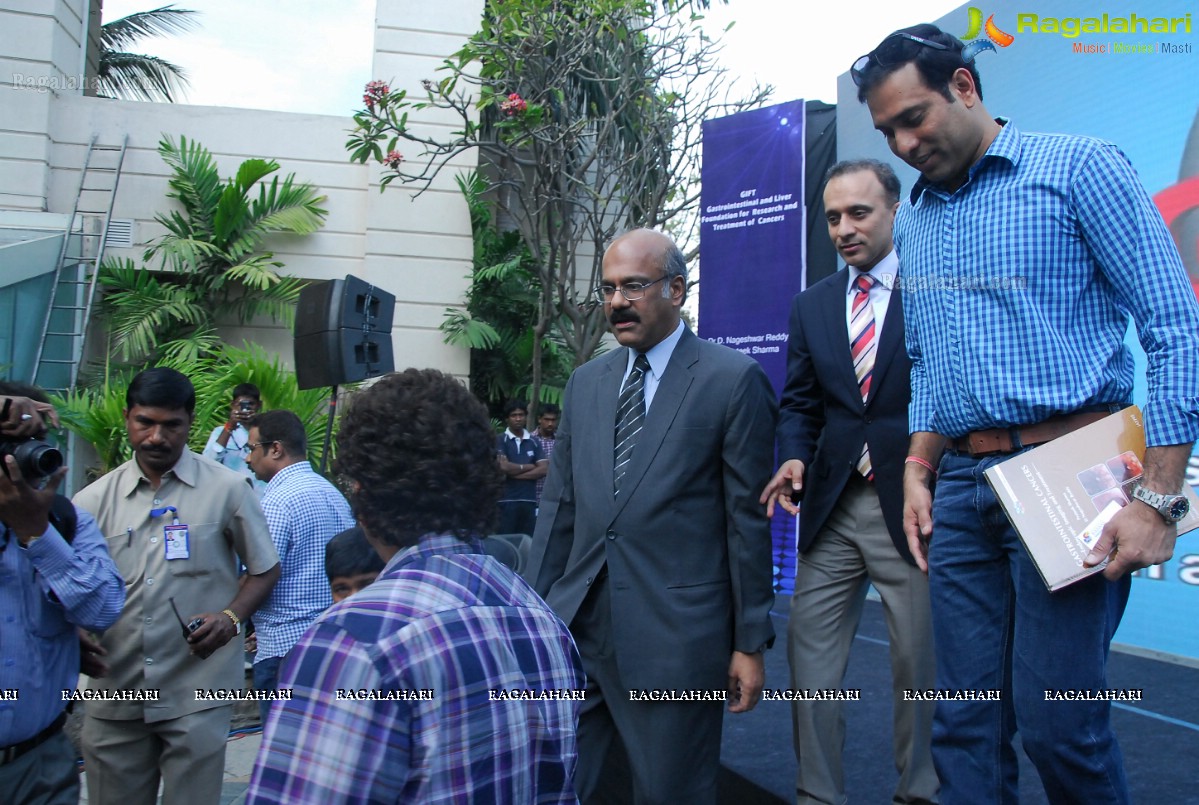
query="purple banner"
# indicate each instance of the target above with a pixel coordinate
(752, 224)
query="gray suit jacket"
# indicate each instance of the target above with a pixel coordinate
(687, 544)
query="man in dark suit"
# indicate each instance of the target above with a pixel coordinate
(649, 542)
(843, 438)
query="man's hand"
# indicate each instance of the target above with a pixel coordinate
(25, 418)
(91, 655)
(216, 631)
(747, 675)
(1135, 537)
(917, 512)
(786, 484)
(24, 508)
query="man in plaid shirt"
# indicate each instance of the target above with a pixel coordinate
(547, 427)
(447, 679)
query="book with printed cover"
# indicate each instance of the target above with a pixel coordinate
(1060, 494)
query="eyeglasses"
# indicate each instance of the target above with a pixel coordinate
(891, 51)
(255, 445)
(631, 291)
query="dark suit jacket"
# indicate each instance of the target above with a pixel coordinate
(823, 421)
(687, 545)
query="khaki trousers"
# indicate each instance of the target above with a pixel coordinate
(126, 759)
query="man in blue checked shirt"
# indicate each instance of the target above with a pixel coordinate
(1023, 257)
(49, 583)
(303, 512)
(447, 679)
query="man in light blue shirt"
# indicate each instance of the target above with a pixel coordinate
(303, 512)
(1024, 256)
(50, 583)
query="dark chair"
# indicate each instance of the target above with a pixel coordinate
(511, 549)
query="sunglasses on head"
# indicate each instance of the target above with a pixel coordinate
(895, 49)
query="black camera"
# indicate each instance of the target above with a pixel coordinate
(35, 459)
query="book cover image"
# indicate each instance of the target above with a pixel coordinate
(1059, 495)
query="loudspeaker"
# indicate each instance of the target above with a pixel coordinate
(352, 302)
(342, 333)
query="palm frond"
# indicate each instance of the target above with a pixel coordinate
(130, 29)
(191, 348)
(461, 330)
(143, 312)
(136, 77)
(195, 181)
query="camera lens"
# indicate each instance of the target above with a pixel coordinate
(37, 459)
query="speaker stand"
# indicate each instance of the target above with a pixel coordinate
(329, 428)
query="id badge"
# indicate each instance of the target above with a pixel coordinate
(176, 542)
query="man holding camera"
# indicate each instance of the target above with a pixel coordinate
(229, 444)
(179, 527)
(50, 582)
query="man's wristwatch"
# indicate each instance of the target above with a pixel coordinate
(1172, 508)
(236, 620)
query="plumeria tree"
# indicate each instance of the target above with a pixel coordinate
(586, 115)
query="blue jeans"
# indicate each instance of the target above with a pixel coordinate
(996, 626)
(266, 677)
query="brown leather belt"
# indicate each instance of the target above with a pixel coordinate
(1009, 440)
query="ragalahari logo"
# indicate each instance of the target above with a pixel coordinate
(994, 34)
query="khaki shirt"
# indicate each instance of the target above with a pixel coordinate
(146, 648)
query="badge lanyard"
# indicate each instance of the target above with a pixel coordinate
(175, 537)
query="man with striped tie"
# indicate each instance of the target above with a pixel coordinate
(650, 543)
(848, 382)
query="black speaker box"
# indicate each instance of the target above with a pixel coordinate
(351, 302)
(341, 356)
(342, 333)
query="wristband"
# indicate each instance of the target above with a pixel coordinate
(236, 620)
(922, 462)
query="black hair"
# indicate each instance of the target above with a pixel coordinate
(549, 408)
(416, 454)
(882, 171)
(349, 554)
(284, 427)
(936, 67)
(161, 387)
(247, 390)
(515, 405)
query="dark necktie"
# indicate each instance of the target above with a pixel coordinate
(630, 417)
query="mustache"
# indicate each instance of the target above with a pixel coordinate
(623, 315)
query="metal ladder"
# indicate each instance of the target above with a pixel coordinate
(60, 349)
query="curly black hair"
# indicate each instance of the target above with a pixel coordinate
(416, 454)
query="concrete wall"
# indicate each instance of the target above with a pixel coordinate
(417, 248)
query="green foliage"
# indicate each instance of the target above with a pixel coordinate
(210, 257)
(501, 306)
(96, 413)
(135, 77)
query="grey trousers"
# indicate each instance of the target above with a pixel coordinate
(665, 752)
(852, 551)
